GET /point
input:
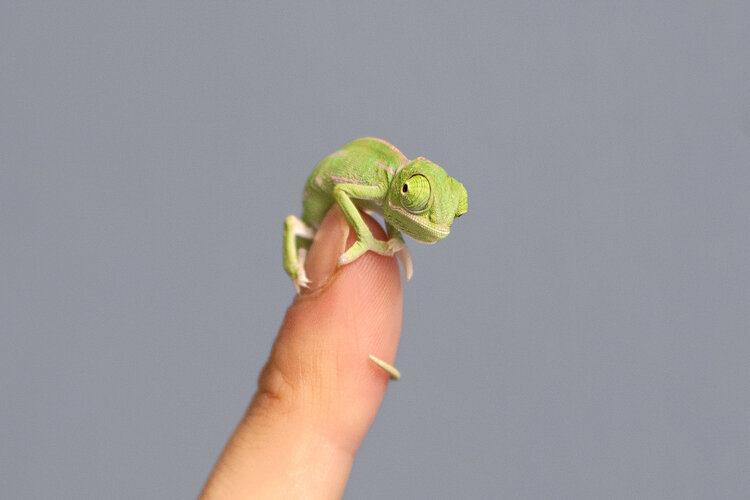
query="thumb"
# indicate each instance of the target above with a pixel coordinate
(318, 393)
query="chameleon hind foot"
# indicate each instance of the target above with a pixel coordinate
(294, 254)
(301, 281)
(390, 369)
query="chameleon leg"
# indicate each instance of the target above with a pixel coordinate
(390, 369)
(294, 256)
(343, 193)
(398, 247)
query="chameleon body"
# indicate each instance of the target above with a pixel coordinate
(414, 197)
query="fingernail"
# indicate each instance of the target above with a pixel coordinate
(329, 243)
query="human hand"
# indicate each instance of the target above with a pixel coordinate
(318, 393)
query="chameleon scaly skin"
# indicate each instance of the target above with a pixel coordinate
(414, 197)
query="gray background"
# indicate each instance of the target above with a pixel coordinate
(583, 333)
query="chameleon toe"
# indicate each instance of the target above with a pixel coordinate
(354, 252)
(404, 257)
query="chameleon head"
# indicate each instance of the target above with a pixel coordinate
(423, 200)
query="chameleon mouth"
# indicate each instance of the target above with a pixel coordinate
(437, 231)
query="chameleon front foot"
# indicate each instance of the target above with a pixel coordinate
(394, 246)
(390, 369)
(361, 246)
(355, 251)
(404, 257)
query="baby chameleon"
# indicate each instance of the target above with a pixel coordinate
(414, 197)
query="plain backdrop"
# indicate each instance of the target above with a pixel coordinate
(583, 333)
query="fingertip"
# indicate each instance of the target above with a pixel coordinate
(332, 239)
(319, 392)
(349, 313)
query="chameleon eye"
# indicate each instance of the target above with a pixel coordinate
(415, 193)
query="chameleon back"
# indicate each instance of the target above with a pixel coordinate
(366, 161)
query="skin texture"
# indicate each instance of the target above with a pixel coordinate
(414, 197)
(318, 393)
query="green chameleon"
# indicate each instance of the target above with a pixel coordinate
(415, 197)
